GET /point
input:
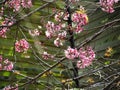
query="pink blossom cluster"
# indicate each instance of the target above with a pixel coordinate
(86, 56)
(5, 64)
(55, 31)
(52, 29)
(11, 87)
(21, 45)
(80, 19)
(47, 56)
(107, 5)
(71, 53)
(17, 4)
(6, 23)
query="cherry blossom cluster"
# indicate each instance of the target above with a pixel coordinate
(11, 87)
(55, 31)
(17, 4)
(107, 5)
(52, 29)
(86, 56)
(79, 19)
(47, 56)
(6, 23)
(5, 64)
(21, 45)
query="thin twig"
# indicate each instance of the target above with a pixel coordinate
(112, 82)
(27, 15)
(104, 28)
(93, 71)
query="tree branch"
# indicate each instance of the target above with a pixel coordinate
(104, 28)
(25, 16)
(93, 71)
(72, 41)
(111, 83)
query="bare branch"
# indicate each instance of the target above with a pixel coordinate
(93, 71)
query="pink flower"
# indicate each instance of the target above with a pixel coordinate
(8, 21)
(61, 15)
(58, 42)
(79, 19)
(11, 87)
(21, 45)
(47, 56)
(3, 30)
(107, 5)
(26, 3)
(50, 26)
(49, 34)
(71, 53)
(116, 1)
(8, 65)
(16, 4)
(52, 29)
(86, 55)
(108, 9)
(66, 16)
(57, 27)
(5, 64)
(78, 28)
(58, 16)
(7, 88)
(84, 63)
(62, 35)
